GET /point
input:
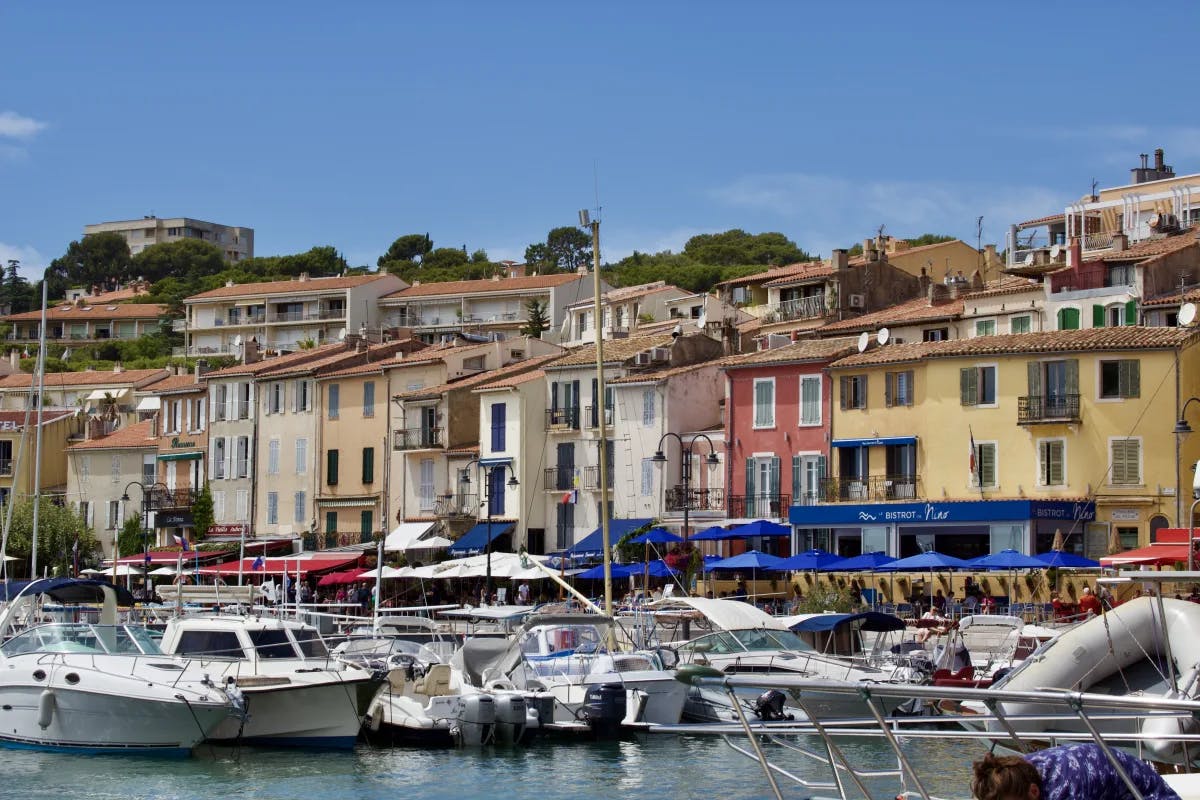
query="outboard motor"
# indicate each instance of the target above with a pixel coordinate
(478, 720)
(769, 706)
(510, 718)
(604, 708)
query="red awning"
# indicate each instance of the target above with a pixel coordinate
(339, 578)
(1155, 554)
(307, 565)
(161, 557)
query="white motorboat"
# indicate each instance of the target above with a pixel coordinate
(295, 694)
(100, 688)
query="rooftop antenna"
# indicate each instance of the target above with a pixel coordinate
(979, 245)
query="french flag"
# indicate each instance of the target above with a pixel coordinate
(182, 542)
(258, 564)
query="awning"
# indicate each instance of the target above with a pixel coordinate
(1159, 554)
(281, 566)
(871, 621)
(878, 441)
(149, 404)
(495, 461)
(476, 539)
(350, 502)
(592, 545)
(101, 394)
(171, 556)
(404, 534)
(191, 455)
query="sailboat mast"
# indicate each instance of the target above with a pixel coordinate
(601, 424)
(37, 442)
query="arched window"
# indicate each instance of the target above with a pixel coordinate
(1157, 523)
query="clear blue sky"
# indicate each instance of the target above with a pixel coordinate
(486, 124)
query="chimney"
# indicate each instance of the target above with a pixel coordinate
(496, 277)
(250, 353)
(201, 369)
(1158, 160)
(839, 259)
(117, 368)
(1075, 252)
(990, 256)
(1120, 242)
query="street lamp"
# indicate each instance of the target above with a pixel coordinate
(1182, 428)
(513, 483)
(147, 490)
(685, 468)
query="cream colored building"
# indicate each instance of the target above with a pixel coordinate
(86, 323)
(236, 243)
(99, 472)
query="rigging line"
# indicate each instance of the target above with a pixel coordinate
(12, 500)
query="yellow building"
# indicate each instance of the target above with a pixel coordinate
(976, 445)
(17, 465)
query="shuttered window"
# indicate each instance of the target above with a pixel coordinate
(1051, 462)
(1126, 466)
(764, 403)
(854, 391)
(977, 386)
(368, 465)
(898, 389)
(331, 467)
(810, 400)
(499, 426)
(1120, 379)
(985, 461)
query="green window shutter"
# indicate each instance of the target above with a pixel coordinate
(749, 487)
(1097, 316)
(1131, 313)
(1072, 375)
(331, 467)
(796, 478)
(1130, 378)
(774, 476)
(987, 464)
(366, 526)
(1068, 319)
(368, 465)
(331, 522)
(966, 386)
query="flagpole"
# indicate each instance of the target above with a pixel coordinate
(242, 554)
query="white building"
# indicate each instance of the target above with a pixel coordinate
(623, 312)
(236, 243)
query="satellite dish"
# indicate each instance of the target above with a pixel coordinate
(237, 340)
(863, 340)
(883, 335)
(341, 334)
(1055, 252)
(1029, 260)
(1187, 315)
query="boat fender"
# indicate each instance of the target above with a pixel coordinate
(500, 684)
(376, 718)
(46, 704)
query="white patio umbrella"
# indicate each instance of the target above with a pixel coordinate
(163, 571)
(387, 572)
(432, 543)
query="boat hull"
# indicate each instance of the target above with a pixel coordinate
(320, 715)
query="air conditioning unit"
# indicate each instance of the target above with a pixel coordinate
(660, 354)
(1163, 221)
(858, 301)
(642, 359)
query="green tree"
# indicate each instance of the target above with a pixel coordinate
(15, 291)
(59, 528)
(131, 541)
(445, 258)
(735, 247)
(202, 513)
(538, 321)
(930, 238)
(409, 247)
(565, 250)
(183, 258)
(99, 259)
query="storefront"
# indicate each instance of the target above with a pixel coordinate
(964, 529)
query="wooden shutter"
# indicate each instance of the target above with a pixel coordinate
(1097, 316)
(843, 386)
(499, 414)
(968, 386)
(1125, 457)
(862, 392)
(1131, 314)
(1072, 367)
(368, 465)
(331, 467)
(1129, 378)
(797, 481)
(987, 464)
(749, 479)
(889, 393)
(1034, 372)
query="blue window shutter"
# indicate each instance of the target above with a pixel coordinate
(498, 427)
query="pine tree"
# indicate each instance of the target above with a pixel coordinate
(538, 322)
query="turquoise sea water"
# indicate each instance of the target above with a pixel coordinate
(656, 767)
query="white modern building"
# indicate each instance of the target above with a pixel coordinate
(236, 242)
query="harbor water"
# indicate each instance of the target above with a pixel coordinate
(656, 767)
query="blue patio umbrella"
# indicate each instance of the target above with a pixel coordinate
(659, 569)
(751, 559)
(867, 562)
(761, 527)
(808, 561)
(714, 534)
(596, 573)
(1057, 558)
(931, 562)
(1007, 559)
(656, 536)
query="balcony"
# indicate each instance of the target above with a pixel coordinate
(592, 417)
(871, 489)
(172, 498)
(678, 499)
(559, 479)
(801, 308)
(1040, 409)
(457, 506)
(757, 506)
(562, 419)
(591, 478)
(416, 438)
(332, 313)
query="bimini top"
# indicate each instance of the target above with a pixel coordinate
(871, 621)
(65, 590)
(729, 615)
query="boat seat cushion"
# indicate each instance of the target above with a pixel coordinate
(436, 681)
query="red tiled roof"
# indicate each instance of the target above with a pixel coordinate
(174, 383)
(862, 259)
(484, 286)
(615, 350)
(275, 362)
(803, 350)
(286, 287)
(17, 418)
(1089, 339)
(774, 273)
(662, 374)
(88, 311)
(815, 269)
(21, 380)
(136, 436)
(515, 380)
(481, 379)
(1152, 247)
(1175, 298)
(907, 313)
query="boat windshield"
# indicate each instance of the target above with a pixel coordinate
(741, 641)
(311, 644)
(82, 638)
(272, 643)
(554, 639)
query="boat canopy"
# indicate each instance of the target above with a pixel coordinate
(871, 621)
(729, 615)
(65, 590)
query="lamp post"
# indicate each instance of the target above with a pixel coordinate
(147, 490)
(512, 482)
(1182, 428)
(685, 468)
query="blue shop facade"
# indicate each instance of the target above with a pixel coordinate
(961, 528)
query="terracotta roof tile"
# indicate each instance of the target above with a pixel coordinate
(515, 380)
(17, 418)
(286, 287)
(1090, 339)
(909, 312)
(87, 311)
(20, 380)
(1029, 223)
(662, 374)
(774, 273)
(1151, 248)
(276, 362)
(803, 350)
(480, 379)
(615, 350)
(1175, 298)
(816, 269)
(483, 286)
(136, 436)
(174, 384)
(626, 293)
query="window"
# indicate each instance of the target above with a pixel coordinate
(173, 410)
(985, 327)
(275, 398)
(301, 456)
(762, 487)
(935, 334)
(1120, 379)
(1022, 324)
(1068, 319)
(243, 505)
(1126, 462)
(496, 490)
(300, 508)
(273, 457)
(977, 386)
(333, 400)
(810, 400)
(898, 389)
(854, 391)
(764, 402)
(648, 407)
(218, 506)
(331, 467)
(365, 524)
(113, 517)
(243, 456)
(1128, 537)
(114, 467)
(369, 399)
(149, 469)
(648, 477)
(425, 488)
(220, 402)
(499, 427)
(368, 465)
(331, 523)
(1119, 275)
(985, 464)
(197, 415)
(272, 508)
(1052, 462)
(302, 396)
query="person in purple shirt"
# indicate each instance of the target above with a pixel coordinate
(1070, 772)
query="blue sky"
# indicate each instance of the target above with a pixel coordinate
(487, 124)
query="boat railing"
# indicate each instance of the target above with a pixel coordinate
(992, 726)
